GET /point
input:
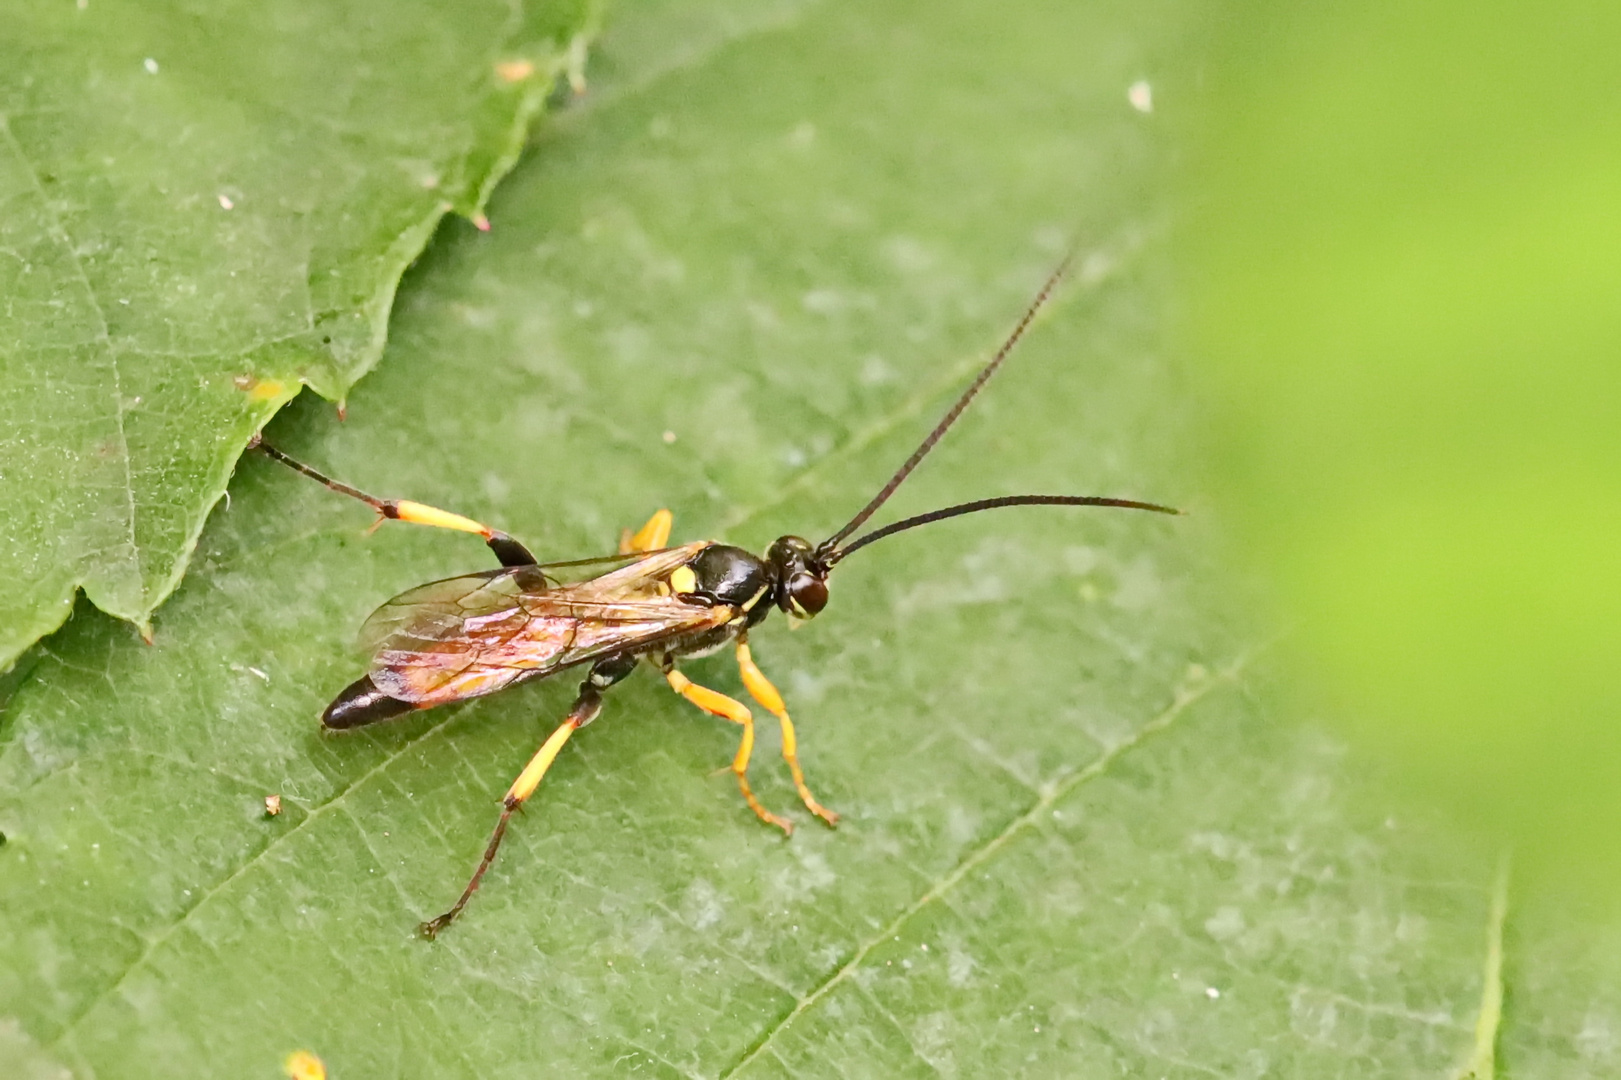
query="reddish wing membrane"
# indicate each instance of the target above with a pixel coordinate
(469, 636)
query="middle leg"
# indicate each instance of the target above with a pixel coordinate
(650, 537)
(604, 673)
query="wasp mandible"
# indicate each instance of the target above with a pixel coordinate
(469, 636)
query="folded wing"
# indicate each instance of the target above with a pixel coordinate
(473, 635)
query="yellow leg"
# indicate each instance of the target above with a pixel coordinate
(303, 1065)
(650, 537)
(760, 688)
(508, 550)
(422, 514)
(530, 778)
(585, 710)
(717, 704)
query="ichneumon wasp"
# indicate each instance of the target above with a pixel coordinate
(468, 636)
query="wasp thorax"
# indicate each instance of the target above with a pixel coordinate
(727, 575)
(801, 581)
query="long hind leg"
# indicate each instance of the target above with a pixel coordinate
(506, 549)
(605, 673)
(585, 709)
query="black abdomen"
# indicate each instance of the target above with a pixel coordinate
(362, 703)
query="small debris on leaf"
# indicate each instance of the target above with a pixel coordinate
(259, 389)
(515, 70)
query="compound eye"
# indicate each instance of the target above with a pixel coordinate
(807, 595)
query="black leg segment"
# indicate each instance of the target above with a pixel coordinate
(607, 671)
(508, 550)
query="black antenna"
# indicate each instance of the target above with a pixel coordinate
(829, 546)
(832, 558)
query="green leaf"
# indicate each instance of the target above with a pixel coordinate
(742, 283)
(1565, 998)
(204, 209)
(22, 1059)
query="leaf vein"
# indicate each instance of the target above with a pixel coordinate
(872, 999)
(1185, 697)
(157, 941)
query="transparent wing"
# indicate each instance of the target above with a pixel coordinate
(472, 635)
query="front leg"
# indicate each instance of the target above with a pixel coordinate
(717, 704)
(761, 690)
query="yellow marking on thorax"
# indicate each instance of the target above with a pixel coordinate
(683, 580)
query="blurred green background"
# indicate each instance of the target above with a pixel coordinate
(1405, 277)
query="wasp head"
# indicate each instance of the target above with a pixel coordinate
(800, 577)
